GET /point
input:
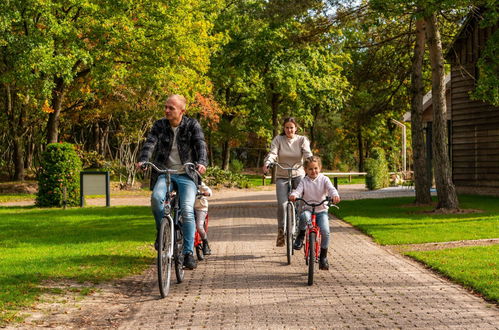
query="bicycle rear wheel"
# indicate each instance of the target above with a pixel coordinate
(289, 218)
(311, 257)
(179, 257)
(165, 254)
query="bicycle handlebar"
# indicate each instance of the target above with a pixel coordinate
(289, 168)
(145, 164)
(328, 199)
(188, 164)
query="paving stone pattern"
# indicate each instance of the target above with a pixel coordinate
(247, 284)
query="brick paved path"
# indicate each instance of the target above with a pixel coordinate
(247, 284)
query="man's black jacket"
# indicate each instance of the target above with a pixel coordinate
(190, 143)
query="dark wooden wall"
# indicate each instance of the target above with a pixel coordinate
(475, 125)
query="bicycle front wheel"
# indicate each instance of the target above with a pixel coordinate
(289, 218)
(179, 257)
(165, 254)
(311, 257)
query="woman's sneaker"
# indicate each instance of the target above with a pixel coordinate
(280, 237)
(298, 244)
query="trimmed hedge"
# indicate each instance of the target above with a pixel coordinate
(377, 170)
(60, 168)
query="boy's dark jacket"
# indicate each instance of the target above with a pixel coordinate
(190, 143)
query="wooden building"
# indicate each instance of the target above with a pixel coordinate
(474, 125)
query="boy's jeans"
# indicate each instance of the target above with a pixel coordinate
(186, 190)
(323, 223)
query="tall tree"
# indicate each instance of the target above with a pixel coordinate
(421, 177)
(446, 191)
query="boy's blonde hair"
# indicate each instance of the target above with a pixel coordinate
(312, 159)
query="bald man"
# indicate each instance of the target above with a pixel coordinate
(175, 140)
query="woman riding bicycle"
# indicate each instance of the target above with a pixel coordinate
(315, 187)
(289, 148)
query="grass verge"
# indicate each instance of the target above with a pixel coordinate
(474, 267)
(396, 221)
(16, 197)
(85, 245)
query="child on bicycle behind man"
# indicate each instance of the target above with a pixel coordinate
(201, 210)
(314, 188)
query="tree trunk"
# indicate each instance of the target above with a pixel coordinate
(315, 114)
(421, 178)
(53, 122)
(274, 105)
(446, 191)
(360, 145)
(16, 127)
(225, 155)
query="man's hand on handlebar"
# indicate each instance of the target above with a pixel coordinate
(140, 166)
(201, 169)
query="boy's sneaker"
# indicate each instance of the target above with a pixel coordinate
(189, 261)
(206, 248)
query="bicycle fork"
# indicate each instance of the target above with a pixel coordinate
(312, 227)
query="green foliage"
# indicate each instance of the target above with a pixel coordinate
(216, 177)
(90, 159)
(377, 170)
(60, 169)
(78, 245)
(487, 88)
(236, 166)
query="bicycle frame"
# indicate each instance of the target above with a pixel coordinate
(312, 227)
(290, 170)
(173, 245)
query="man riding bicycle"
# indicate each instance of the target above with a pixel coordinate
(176, 140)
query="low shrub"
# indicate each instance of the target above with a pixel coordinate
(216, 177)
(60, 168)
(236, 166)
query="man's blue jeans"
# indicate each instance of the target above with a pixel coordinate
(323, 223)
(186, 190)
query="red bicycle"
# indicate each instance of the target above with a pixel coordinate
(198, 242)
(313, 238)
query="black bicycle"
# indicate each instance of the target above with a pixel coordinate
(290, 213)
(170, 237)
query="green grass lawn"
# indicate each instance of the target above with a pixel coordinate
(4, 198)
(474, 267)
(256, 180)
(395, 221)
(90, 244)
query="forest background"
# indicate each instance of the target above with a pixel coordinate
(96, 74)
